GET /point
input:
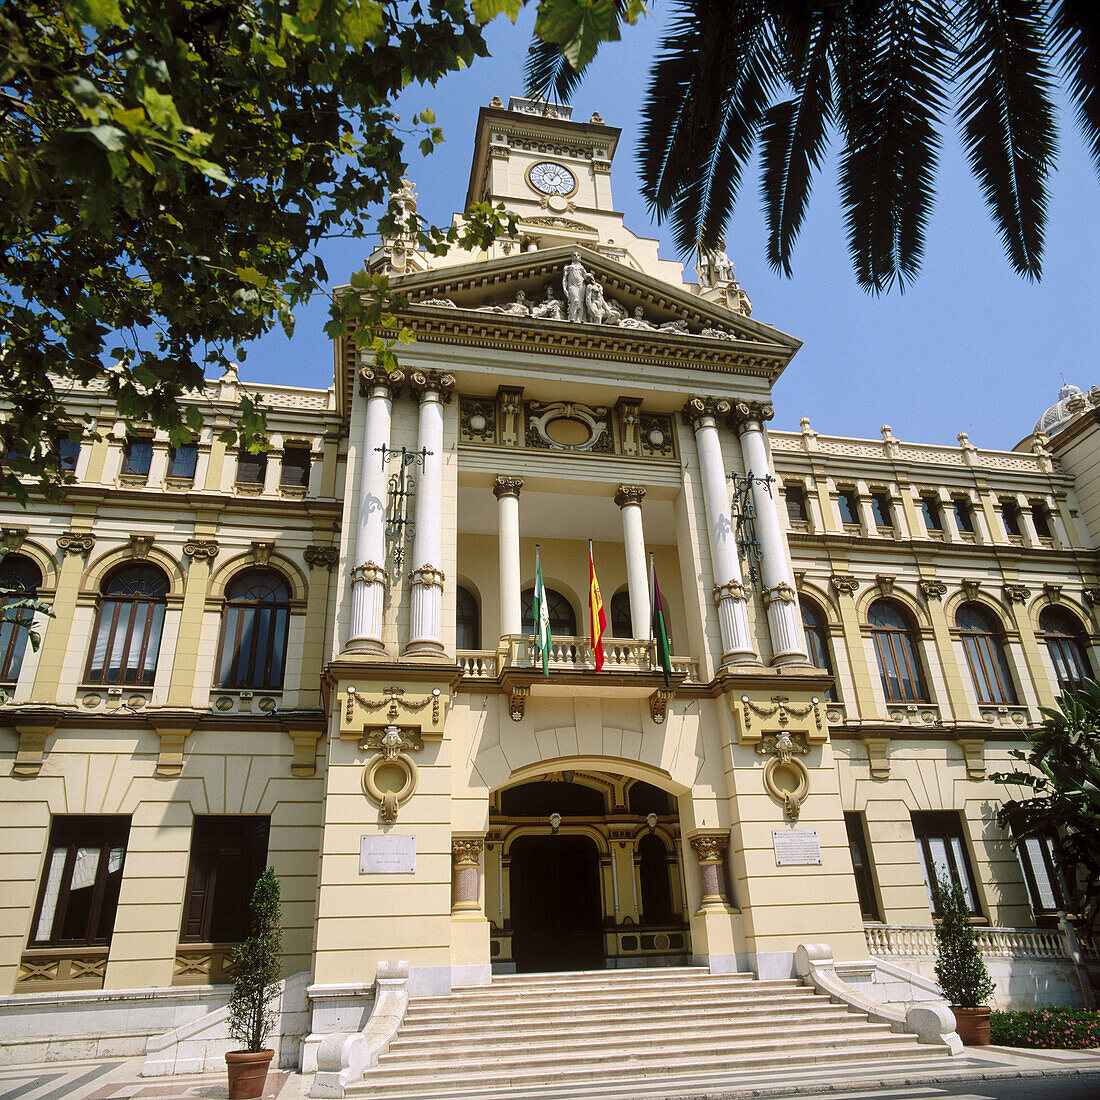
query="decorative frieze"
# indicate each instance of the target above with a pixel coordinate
(655, 439)
(517, 702)
(78, 544)
(569, 426)
(390, 741)
(658, 704)
(477, 420)
(321, 557)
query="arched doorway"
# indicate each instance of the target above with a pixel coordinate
(556, 907)
(583, 871)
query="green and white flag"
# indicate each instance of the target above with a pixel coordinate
(542, 618)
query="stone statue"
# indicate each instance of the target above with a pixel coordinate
(552, 309)
(675, 326)
(595, 308)
(723, 269)
(520, 306)
(637, 321)
(614, 312)
(572, 283)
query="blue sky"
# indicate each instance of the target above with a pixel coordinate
(970, 348)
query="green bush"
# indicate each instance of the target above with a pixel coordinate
(257, 968)
(960, 970)
(1047, 1028)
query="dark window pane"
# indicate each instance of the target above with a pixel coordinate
(254, 631)
(942, 850)
(23, 577)
(542, 798)
(653, 871)
(129, 624)
(896, 652)
(563, 622)
(1041, 518)
(880, 509)
(1010, 512)
(139, 454)
(985, 654)
(644, 798)
(621, 626)
(68, 451)
(467, 621)
(1065, 641)
(184, 459)
(796, 503)
(861, 865)
(848, 503)
(251, 469)
(813, 623)
(930, 509)
(295, 472)
(963, 516)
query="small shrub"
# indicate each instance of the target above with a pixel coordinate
(959, 967)
(1047, 1028)
(257, 968)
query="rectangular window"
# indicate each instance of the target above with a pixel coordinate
(796, 503)
(138, 457)
(848, 503)
(78, 896)
(184, 460)
(228, 855)
(1044, 881)
(1010, 513)
(68, 452)
(295, 467)
(1040, 516)
(930, 509)
(941, 848)
(251, 469)
(880, 510)
(964, 516)
(861, 865)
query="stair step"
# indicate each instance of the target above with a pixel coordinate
(625, 973)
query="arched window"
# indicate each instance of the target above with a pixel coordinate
(621, 626)
(981, 638)
(817, 643)
(1064, 637)
(21, 577)
(896, 653)
(254, 629)
(563, 622)
(467, 620)
(128, 627)
(656, 888)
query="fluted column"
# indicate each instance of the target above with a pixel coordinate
(784, 621)
(729, 592)
(433, 389)
(629, 499)
(507, 490)
(368, 573)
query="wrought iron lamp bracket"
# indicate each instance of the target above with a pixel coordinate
(744, 513)
(400, 526)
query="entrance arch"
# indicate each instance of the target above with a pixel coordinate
(583, 871)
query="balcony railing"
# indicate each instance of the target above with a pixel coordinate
(917, 941)
(517, 651)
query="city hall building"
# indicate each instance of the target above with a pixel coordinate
(323, 659)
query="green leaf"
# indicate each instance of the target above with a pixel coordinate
(101, 13)
(363, 21)
(487, 10)
(110, 137)
(251, 275)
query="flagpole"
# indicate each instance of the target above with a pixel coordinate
(652, 610)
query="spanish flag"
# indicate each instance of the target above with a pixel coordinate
(599, 619)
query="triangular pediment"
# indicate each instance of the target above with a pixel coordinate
(593, 292)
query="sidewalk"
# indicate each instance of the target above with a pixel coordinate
(120, 1079)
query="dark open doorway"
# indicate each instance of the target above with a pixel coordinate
(556, 909)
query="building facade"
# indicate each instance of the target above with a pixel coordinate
(323, 658)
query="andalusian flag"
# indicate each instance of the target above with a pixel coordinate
(542, 618)
(657, 628)
(599, 619)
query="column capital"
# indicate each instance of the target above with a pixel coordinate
(370, 573)
(466, 850)
(745, 413)
(699, 408)
(428, 576)
(507, 486)
(424, 382)
(709, 847)
(629, 494)
(371, 377)
(731, 590)
(200, 549)
(75, 543)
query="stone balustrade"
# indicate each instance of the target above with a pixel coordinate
(570, 655)
(917, 941)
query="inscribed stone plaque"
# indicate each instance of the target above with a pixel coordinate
(796, 847)
(387, 855)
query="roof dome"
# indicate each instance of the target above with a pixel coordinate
(1071, 401)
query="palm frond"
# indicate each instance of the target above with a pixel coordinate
(1008, 119)
(1076, 38)
(548, 74)
(793, 139)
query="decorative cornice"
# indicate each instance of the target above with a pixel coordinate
(72, 542)
(698, 409)
(629, 494)
(745, 413)
(371, 377)
(507, 486)
(200, 549)
(369, 572)
(318, 557)
(422, 382)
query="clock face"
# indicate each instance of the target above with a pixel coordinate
(552, 179)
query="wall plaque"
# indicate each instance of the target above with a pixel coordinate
(796, 847)
(387, 855)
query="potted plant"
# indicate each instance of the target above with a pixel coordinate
(959, 967)
(256, 972)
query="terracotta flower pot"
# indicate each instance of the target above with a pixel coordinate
(972, 1025)
(248, 1072)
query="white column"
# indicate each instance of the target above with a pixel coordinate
(368, 574)
(784, 621)
(729, 592)
(426, 579)
(507, 490)
(629, 499)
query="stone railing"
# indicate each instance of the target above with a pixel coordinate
(570, 655)
(917, 941)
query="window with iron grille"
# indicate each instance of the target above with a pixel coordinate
(942, 851)
(985, 656)
(251, 469)
(78, 895)
(228, 855)
(128, 627)
(896, 653)
(255, 622)
(22, 577)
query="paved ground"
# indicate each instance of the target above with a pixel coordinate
(997, 1073)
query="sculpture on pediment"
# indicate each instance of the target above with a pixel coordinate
(637, 321)
(552, 309)
(573, 282)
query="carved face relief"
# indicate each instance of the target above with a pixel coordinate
(552, 179)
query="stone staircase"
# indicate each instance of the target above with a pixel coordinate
(629, 1034)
